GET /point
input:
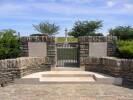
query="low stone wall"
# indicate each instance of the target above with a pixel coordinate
(16, 68)
(112, 66)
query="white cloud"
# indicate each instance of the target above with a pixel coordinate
(65, 12)
(66, 1)
(110, 3)
(64, 9)
(77, 1)
(11, 9)
(72, 9)
(128, 6)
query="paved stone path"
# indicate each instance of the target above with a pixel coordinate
(65, 92)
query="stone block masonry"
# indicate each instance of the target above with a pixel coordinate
(97, 46)
(17, 68)
(48, 48)
(104, 63)
(112, 66)
(24, 42)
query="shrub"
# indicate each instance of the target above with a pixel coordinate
(9, 44)
(125, 49)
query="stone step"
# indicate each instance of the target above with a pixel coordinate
(66, 69)
(67, 74)
(67, 79)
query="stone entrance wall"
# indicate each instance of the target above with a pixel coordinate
(34, 39)
(39, 46)
(90, 47)
(96, 46)
(38, 54)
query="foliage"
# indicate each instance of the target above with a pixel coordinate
(89, 28)
(125, 49)
(69, 39)
(38, 35)
(122, 32)
(47, 28)
(9, 44)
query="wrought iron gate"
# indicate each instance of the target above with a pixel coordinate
(67, 55)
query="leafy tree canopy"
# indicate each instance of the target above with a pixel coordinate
(86, 28)
(9, 44)
(47, 28)
(122, 32)
(38, 35)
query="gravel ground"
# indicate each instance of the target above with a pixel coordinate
(65, 92)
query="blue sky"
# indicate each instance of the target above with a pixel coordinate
(22, 14)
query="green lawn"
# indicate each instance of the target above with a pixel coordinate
(62, 39)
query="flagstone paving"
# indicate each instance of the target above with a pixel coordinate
(65, 92)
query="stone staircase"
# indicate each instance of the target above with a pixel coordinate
(67, 69)
(67, 75)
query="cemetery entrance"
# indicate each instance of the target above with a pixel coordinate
(68, 55)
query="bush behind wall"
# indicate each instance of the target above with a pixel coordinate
(9, 44)
(125, 49)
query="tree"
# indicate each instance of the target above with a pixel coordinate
(122, 32)
(47, 28)
(83, 28)
(38, 35)
(9, 44)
